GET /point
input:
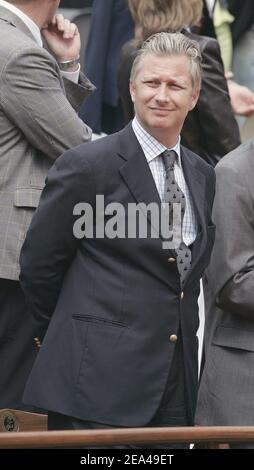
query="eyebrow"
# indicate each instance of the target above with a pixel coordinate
(176, 81)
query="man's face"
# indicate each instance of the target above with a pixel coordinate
(163, 94)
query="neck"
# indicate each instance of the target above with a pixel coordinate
(37, 11)
(167, 139)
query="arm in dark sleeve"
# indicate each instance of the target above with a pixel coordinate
(50, 244)
(218, 129)
(128, 54)
(214, 106)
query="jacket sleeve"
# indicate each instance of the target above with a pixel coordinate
(128, 54)
(50, 244)
(218, 131)
(221, 131)
(33, 97)
(77, 93)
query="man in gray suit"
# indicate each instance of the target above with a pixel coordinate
(226, 388)
(37, 124)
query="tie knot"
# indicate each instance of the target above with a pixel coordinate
(169, 159)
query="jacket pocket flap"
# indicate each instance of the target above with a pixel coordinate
(234, 338)
(27, 197)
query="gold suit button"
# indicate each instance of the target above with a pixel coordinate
(173, 338)
(171, 260)
(182, 295)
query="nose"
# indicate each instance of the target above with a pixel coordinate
(162, 95)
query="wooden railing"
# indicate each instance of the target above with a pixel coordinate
(19, 429)
(136, 436)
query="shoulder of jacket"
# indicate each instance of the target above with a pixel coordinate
(205, 41)
(199, 161)
(238, 159)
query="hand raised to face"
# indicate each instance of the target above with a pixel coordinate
(63, 38)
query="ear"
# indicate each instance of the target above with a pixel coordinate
(194, 98)
(132, 91)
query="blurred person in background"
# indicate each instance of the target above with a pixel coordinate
(222, 20)
(217, 11)
(40, 91)
(243, 40)
(243, 54)
(111, 27)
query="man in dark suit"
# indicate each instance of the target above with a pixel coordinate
(121, 346)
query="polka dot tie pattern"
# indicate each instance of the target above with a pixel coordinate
(174, 195)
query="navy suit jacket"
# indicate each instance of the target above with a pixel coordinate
(112, 304)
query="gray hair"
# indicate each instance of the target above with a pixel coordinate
(171, 44)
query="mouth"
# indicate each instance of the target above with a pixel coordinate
(161, 110)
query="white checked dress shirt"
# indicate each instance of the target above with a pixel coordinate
(152, 150)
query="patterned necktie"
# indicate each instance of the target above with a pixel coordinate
(173, 194)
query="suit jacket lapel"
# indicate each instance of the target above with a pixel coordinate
(136, 172)
(137, 175)
(196, 184)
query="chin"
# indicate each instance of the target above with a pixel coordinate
(160, 122)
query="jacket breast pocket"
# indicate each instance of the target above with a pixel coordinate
(236, 338)
(27, 196)
(99, 321)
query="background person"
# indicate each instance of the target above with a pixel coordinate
(111, 27)
(226, 387)
(37, 124)
(242, 97)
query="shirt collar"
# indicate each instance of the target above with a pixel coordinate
(35, 30)
(210, 4)
(151, 147)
